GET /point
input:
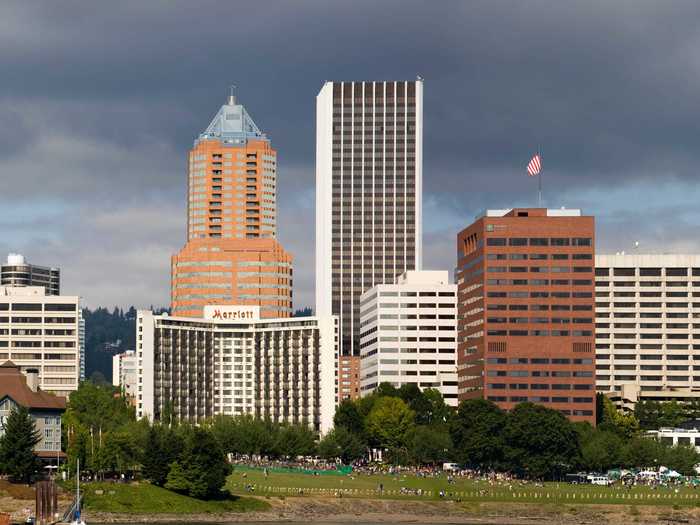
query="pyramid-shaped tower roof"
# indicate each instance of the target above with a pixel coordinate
(232, 124)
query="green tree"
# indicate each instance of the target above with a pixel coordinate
(540, 442)
(386, 390)
(648, 413)
(389, 421)
(643, 452)
(201, 469)
(295, 440)
(101, 408)
(477, 433)
(176, 479)
(429, 445)
(611, 419)
(672, 414)
(348, 415)
(682, 458)
(416, 401)
(439, 413)
(17, 458)
(602, 451)
(343, 444)
(163, 447)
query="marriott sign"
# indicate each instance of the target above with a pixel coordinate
(232, 313)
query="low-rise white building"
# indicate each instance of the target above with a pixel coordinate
(124, 372)
(42, 332)
(232, 362)
(648, 327)
(677, 436)
(409, 334)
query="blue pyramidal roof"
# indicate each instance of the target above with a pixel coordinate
(232, 124)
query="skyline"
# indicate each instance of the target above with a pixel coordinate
(94, 131)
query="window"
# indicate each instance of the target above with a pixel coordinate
(538, 241)
(517, 241)
(495, 241)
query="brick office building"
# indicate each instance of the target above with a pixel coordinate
(526, 310)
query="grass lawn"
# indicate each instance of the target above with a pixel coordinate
(144, 498)
(367, 486)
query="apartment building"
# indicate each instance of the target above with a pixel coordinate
(369, 140)
(232, 255)
(42, 332)
(233, 362)
(648, 327)
(124, 373)
(348, 377)
(526, 328)
(18, 272)
(18, 389)
(409, 334)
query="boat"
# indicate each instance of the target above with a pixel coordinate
(77, 516)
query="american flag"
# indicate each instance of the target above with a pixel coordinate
(534, 166)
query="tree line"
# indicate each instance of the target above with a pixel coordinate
(408, 426)
(531, 441)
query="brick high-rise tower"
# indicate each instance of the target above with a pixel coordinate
(231, 255)
(526, 303)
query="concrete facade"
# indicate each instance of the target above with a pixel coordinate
(648, 327)
(124, 374)
(409, 334)
(42, 332)
(369, 140)
(282, 369)
(18, 272)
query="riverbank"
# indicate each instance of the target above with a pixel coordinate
(334, 510)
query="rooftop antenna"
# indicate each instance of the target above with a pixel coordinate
(231, 96)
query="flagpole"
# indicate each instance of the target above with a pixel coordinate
(539, 186)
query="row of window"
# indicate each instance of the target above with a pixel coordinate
(540, 399)
(538, 361)
(543, 320)
(539, 241)
(38, 307)
(539, 282)
(542, 333)
(542, 373)
(648, 272)
(539, 269)
(540, 295)
(541, 307)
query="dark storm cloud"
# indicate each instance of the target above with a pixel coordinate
(99, 103)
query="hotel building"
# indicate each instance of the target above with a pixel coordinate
(648, 327)
(526, 330)
(18, 272)
(369, 138)
(231, 255)
(42, 332)
(233, 362)
(409, 334)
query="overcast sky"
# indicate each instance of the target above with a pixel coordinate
(100, 102)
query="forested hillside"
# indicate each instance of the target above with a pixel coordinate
(106, 334)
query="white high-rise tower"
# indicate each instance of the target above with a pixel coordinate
(369, 138)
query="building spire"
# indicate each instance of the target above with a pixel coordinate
(231, 96)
